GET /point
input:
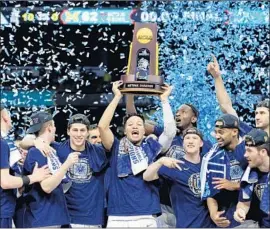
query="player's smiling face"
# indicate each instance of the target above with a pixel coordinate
(223, 136)
(134, 129)
(192, 144)
(262, 117)
(78, 134)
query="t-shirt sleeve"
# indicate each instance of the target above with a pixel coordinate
(168, 173)
(158, 130)
(100, 155)
(34, 156)
(244, 128)
(4, 155)
(240, 197)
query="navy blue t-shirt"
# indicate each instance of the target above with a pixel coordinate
(7, 196)
(255, 212)
(244, 128)
(176, 151)
(85, 197)
(189, 209)
(227, 200)
(131, 195)
(43, 209)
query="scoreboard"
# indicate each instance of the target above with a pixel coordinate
(124, 16)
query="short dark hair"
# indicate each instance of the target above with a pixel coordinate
(194, 109)
(266, 147)
(126, 117)
(93, 126)
(264, 103)
(79, 118)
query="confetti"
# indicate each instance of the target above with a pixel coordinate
(187, 36)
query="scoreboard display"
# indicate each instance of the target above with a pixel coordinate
(123, 16)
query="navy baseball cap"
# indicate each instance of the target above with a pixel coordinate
(37, 120)
(256, 137)
(79, 118)
(193, 130)
(227, 121)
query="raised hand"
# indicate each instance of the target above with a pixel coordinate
(115, 88)
(72, 158)
(167, 91)
(213, 67)
(171, 162)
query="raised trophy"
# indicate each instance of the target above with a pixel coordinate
(142, 76)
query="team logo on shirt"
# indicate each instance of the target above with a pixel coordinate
(194, 184)
(176, 152)
(236, 171)
(80, 172)
(259, 188)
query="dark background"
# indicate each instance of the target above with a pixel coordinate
(111, 56)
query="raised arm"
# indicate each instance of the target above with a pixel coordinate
(223, 97)
(130, 105)
(106, 134)
(166, 138)
(151, 173)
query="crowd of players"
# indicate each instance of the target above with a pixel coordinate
(152, 177)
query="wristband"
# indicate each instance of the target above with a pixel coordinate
(26, 180)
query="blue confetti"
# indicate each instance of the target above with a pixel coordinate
(194, 31)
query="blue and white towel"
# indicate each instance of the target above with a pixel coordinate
(248, 181)
(265, 204)
(132, 159)
(54, 165)
(215, 163)
(249, 178)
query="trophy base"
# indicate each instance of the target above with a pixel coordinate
(150, 87)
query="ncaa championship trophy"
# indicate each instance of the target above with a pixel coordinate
(142, 72)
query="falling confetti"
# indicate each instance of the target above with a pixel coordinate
(186, 47)
(38, 59)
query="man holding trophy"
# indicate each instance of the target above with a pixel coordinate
(133, 202)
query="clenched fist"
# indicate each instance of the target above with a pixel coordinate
(72, 158)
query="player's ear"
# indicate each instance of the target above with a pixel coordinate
(194, 120)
